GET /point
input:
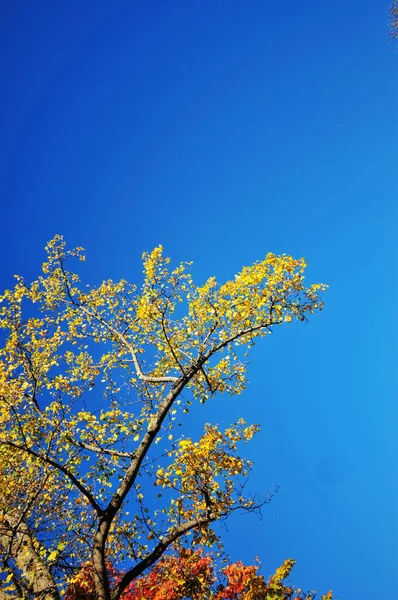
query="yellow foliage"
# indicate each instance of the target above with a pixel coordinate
(91, 379)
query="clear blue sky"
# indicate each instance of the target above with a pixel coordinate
(224, 130)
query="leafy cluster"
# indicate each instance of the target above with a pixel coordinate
(194, 575)
(394, 20)
(94, 382)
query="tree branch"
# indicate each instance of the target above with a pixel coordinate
(99, 450)
(238, 335)
(157, 552)
(124, 341)
(61, 468)
(100, 574)
(134, 467)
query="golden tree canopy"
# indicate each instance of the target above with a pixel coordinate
(94, 466)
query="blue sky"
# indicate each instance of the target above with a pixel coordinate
(225, 130)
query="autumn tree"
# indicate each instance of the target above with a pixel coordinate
(93, 383)
(394, 20)
(192, 574)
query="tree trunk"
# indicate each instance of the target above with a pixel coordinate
(19, 548)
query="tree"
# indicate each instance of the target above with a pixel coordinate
(194, 575)
(394, 19)
(94, 382)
